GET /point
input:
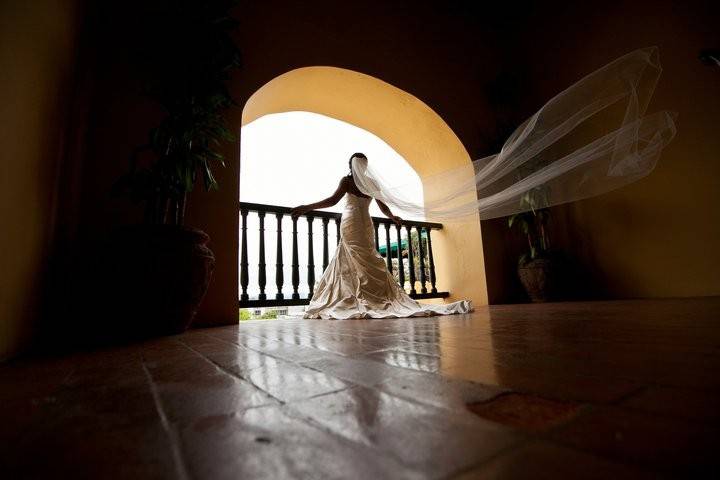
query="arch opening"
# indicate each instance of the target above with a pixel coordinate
(410, 128)
(294, 158)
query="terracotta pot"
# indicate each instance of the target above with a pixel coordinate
(160, 274)
(540, 277)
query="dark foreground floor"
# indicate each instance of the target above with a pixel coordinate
(583, 390)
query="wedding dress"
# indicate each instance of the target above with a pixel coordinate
(357, 283)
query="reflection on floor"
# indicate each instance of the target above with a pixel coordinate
(585, 390)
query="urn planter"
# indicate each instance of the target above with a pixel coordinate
(541, 279)
(159, 275)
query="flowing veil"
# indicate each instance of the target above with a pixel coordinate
(589, 139)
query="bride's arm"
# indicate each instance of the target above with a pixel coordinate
(328, 202)
(386, 211)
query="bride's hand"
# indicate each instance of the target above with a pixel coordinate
(297, 211)
(397, 220)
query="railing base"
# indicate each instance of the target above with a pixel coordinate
(288, 302)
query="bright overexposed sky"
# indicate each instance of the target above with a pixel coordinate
(294, 158)
(299, 157)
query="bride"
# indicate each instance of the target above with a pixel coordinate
(357, 283)
(589, 139)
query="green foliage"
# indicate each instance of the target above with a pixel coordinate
(533, 223)
(415, 242)
(185, 55)
(246, 314)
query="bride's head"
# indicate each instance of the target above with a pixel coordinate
(357, 157)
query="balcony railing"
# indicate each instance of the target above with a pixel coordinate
(415, 249)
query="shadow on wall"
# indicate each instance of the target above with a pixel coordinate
(38, 42)
(657, 237)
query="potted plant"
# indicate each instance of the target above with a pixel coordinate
(537, 269)
(185, 56)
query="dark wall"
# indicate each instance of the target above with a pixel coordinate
(658, 236)
(37, 68)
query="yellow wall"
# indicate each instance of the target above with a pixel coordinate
(411, 128)
(36, 60)
(660, 236)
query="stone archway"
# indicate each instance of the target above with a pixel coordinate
(411, 128)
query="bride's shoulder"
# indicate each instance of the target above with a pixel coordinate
(343, 186)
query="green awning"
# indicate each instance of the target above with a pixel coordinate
(393, 246)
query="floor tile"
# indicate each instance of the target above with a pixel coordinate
(413, 361)
(526, 412)
(356, 370)
(677, 402)
(552, 462)
(288, 382)
(649, 441)
(132, 452)
(424, 438)
(570, 387)
(266, 443)
(285, 351)
(206, 393)
(625, 389)
(414, 385)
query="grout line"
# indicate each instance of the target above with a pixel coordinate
(351, 383)
(178, 461)
(233, 374)
(66, 378)
(620, 399)
(290, 411)
(347, 387)
(277, 357)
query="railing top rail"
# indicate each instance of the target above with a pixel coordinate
(261, 207)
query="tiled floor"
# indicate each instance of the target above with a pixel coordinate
(577, 390)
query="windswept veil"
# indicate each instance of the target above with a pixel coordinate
(589, 139)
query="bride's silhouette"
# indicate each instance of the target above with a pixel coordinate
(356, 283)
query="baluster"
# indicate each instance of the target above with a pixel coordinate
(433, 289)
(325, 221)
(421, 254)
(295, 266)
(337, 228)
(401, 267)
(244, 258)
(311, 264)
(411, 261)
(388, 250)
(261, 262)
(279, 258)
(377, 242)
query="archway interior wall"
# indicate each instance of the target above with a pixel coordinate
(411, 128)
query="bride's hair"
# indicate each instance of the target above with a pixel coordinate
(355, 155)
